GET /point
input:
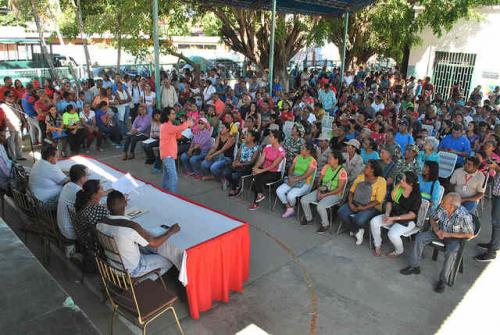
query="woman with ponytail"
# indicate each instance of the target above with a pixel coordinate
(89, 212)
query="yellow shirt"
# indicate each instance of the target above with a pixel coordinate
(379, 189)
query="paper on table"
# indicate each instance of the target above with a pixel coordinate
(125, 184)
(149, 140)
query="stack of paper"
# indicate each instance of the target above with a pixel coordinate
(125, 184)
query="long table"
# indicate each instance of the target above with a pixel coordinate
(212, 249)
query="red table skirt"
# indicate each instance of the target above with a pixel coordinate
(216, 267)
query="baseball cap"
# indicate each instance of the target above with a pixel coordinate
(353, 143)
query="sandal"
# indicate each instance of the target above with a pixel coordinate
(377, 252)
(392, 254)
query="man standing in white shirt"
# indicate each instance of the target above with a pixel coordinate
(5, 163)
(13, 114)
(168, 95)
(78, 176)
(46, 178)
(131, 239)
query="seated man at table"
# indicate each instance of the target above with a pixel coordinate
(131, 239)
(450, 223)
(46, 178)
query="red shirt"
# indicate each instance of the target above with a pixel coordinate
(41, 109)
(4, 89)
(2, 118)
(287, 116)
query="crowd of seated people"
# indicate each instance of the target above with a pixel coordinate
(371, 145)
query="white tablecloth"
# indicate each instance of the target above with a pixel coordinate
(198, 224)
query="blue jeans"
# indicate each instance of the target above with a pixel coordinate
(192, 164)
(124, 124)
(356, 220)
(495, 224)
(150, 261)
(450, 255)
(215, 166)
(169, 181)
(470, 206)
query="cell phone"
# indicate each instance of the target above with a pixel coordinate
(165, 226)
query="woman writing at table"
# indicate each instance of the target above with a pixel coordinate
(169, 133)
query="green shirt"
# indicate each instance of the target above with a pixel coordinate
(331, 177)
(69, 119)
(302, 165)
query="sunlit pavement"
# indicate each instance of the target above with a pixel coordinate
(296, 272)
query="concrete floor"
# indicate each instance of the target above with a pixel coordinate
(300, 282)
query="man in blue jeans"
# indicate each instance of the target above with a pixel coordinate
(494, 244)
(450, 223)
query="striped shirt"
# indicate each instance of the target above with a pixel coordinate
(460, 221)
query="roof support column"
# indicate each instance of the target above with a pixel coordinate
(156, 53)
(271, 49)
(344, 48)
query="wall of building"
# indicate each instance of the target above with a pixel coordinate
(480, 37)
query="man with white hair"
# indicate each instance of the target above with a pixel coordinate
(450, 223)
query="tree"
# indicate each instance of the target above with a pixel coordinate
(249, 33)
(83, 36)
(43, 44)
(390, 27)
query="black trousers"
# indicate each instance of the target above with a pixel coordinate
(260, 181)
(76, 140)
(131, 141)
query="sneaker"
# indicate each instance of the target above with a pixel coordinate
(187, 174)
(486, 257)
(304, 221)
(410, 270)
(238, 191)
(322, 229)
(155, 170)
(485, 246)
(351, 233)
(440, 286)
(289, 212)
(253, 207)
(197, 176)
(260, 197)
(359, 236)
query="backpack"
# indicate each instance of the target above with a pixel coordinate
(363, 193)
(18, 179)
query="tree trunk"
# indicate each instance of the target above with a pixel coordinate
(118, 46)
(406, 60)
(43, 45)
(83, 37)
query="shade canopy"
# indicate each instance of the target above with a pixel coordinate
(309, 7)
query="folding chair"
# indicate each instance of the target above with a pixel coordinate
(24, 202)
(459, 261)
(140, 301)
(447, 162)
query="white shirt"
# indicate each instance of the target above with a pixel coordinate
(46, 181)
(135, 94)
(168, 96)
(127, 241)
(149, 99)
(311, 118)
(12, 116)
(88, 119)
(66, 198)
(379, 107)
(207, 92)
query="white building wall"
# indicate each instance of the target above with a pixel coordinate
(469, 36)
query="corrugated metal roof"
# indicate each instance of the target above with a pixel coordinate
(312, 7)
(19, 41)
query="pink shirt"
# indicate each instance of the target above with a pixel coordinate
(271, 154)
(169, 134)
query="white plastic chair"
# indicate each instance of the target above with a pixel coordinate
(429, 128)
(269, 186)
(447, 162)
(287, 128)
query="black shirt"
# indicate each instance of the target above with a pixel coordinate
(406, 205)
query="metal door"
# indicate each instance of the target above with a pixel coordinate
(451, 68)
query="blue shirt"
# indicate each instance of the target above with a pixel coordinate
(98, 120)
(61, 106)
(114, 88)
(403, 140)
(425, 190)
(366, 157)
(28, 107)
(421, 158)
(461, 144)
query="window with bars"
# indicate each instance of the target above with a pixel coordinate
(452, 68)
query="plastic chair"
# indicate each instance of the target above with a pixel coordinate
(281, 168)
(429, 128)
(459, 261)
(447, 162)
(330, 209)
